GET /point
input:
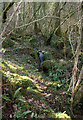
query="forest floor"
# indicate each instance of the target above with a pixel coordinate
(28, 92)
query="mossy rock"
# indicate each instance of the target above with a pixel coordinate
(78, 96)
(8, 43)
(48, 64)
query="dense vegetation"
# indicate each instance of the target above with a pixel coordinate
(56, 91)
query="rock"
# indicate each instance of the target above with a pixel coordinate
(48, 64)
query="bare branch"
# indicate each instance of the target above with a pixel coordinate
(40, 20)
(34, 22)
(71, 42)
(26, 24)
(10, 19)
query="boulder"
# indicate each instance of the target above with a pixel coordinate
(48, 64)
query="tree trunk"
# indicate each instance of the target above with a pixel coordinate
(82, 26)
(5, 9)
(57, 23)
(4, 13)
(34, 9)
(23, 12)
(74, 82)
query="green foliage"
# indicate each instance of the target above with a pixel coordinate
(21, 115)
(13, 96)
(33, 42)
(47, 56)
(16, 92)
(26, 112)
(61, 72)
(8, 43)
(31, 39)
(6, 98)
(25, 58)
(57, 42)
(20, 99)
